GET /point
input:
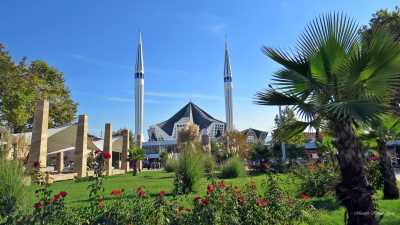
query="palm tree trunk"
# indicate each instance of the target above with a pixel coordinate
(353, 192)
(390, 190)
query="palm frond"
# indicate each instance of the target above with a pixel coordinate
(273, 97)
(290, 130)
(363, 111)
(294, 82)
(290, 61)
(343, 29)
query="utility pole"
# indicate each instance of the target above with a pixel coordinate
(283, 146)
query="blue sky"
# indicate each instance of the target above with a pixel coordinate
(94, 44)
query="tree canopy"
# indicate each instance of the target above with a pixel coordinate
(22, 84)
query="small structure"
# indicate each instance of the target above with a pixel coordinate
(255, 136)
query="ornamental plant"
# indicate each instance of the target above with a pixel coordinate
(12, 189)
(49, 209)
(317, 179)
(233, 168)
(190, 168)
(96, 187)
(373, 173)
(220, 205)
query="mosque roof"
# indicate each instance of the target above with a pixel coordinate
(258, 133)
(194, 113)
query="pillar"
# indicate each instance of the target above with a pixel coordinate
(107, 147)
(80, 155)
(38, 151)
(60, 162)
(125, 149)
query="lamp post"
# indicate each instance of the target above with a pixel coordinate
(283, 146)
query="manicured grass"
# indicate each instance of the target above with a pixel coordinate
(154, 182)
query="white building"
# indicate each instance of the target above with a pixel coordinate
(190, 113)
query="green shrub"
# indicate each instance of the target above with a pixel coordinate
(190, 169)
(171, 165)
(317, 179)
(12, 188)
(233, 168)
(209, 165)
(373, 173)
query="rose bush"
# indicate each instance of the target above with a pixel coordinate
(317, 179)
(222, 204)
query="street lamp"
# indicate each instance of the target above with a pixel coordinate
(283, 146)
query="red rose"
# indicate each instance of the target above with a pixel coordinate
(56, 197)
(117, 192)
(205, 201)
(261, 202)
(210, 188)
(304, 196)
(161, 194)
(196, 199)
(63, 194)
(106, 155)
(37, 205)
(36, 164)
(140, 192)
(97, 151)
(221, 185)
(241, 200)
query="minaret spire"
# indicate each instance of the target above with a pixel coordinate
(227, 64)
(228, 90)
(139, 93)
(139, 56)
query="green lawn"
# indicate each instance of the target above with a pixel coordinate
(154, 182)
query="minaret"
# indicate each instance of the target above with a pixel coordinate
(228, 91)
(139, 93)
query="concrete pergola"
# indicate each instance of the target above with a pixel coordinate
(71, 138)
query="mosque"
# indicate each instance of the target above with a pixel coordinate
(162, 136)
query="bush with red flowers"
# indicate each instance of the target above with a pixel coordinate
(317, 179)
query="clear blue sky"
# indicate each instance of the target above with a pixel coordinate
(94, 44)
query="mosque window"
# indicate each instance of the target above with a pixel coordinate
(218, 130)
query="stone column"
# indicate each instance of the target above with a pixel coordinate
(125, 148)
(60, 162)
(38, 151)
(107, 147)
(80, 156)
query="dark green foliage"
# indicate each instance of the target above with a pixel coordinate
(260, 151)
(232, 168)
(374, 175)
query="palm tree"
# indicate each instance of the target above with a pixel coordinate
(385, 129)
(135, 155)
(336, 77)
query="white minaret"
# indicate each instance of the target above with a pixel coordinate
(228, 91)
(139, 93)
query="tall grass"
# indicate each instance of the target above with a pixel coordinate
(12, 188)
(190, 169)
